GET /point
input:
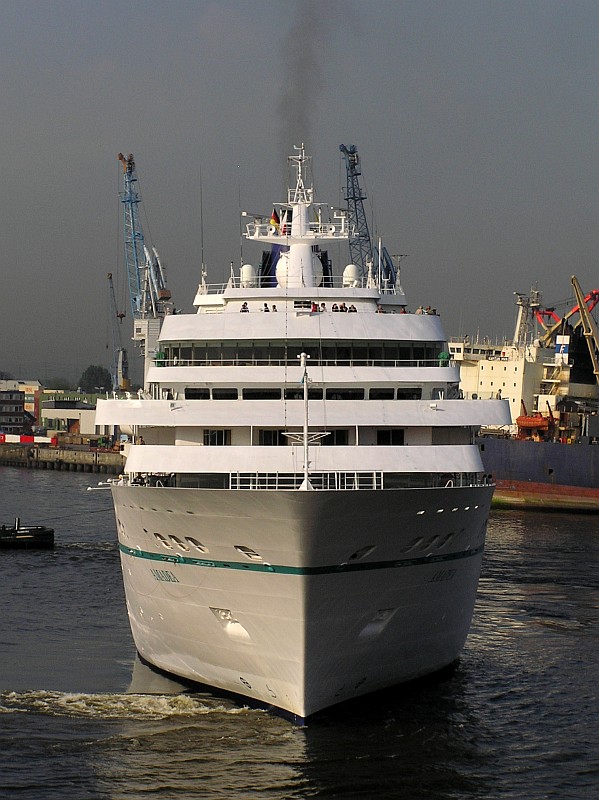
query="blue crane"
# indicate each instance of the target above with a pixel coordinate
(148, 291)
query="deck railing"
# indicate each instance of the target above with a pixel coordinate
(266, 282)
(291, 361)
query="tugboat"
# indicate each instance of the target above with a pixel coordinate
(26, 537)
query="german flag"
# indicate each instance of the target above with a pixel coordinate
(275, 221)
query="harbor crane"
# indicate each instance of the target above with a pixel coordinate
(148, 293)
(120, 364)
(363, 253)
(589, 326)
(147, 282)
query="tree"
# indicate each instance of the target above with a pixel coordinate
(95, 379)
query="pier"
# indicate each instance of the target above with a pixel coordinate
(59, 458)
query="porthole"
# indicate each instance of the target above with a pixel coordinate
(248, 552)
(178, 542)
(198, 545)
(163, 541)
(362, 553)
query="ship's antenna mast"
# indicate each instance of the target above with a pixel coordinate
(203, 277)
(300, 194)
(306, 485)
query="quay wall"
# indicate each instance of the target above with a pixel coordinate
(32, 457)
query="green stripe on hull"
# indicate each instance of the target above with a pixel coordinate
(285, 570)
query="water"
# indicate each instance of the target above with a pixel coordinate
(518, 717)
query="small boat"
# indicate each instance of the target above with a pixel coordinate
(30, 537)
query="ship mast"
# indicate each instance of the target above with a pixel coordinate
(306, 485)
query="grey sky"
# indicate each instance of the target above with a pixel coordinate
(476, 122)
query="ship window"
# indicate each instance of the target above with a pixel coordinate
(271, 438)
(178, 542)
(245, 355)
(311, 351)
(360, 355)
(163, 541)
(195, 393)
(217, 438)
(336, 438)
(277, 354)
(194, 543)
(261, 394)
(228, 355)
(381, 394)
(247, 551)
(298, 394)
(224, 394)
(203, 480)
(407, 393)
(345, 394)
(390, 436)
(343, 352)
(362, 553)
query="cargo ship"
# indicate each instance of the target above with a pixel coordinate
(548, 457)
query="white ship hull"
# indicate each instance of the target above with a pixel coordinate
(301, 600)
(303, 508)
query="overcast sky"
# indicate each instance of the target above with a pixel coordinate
(476, 123)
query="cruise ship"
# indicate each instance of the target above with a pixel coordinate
(302, 514)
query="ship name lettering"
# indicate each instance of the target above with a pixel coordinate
(164, 575)
(443, 575)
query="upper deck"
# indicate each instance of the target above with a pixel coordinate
(292, 318)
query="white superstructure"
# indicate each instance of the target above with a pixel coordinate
(305, 519)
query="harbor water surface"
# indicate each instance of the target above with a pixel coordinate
(517, 718)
